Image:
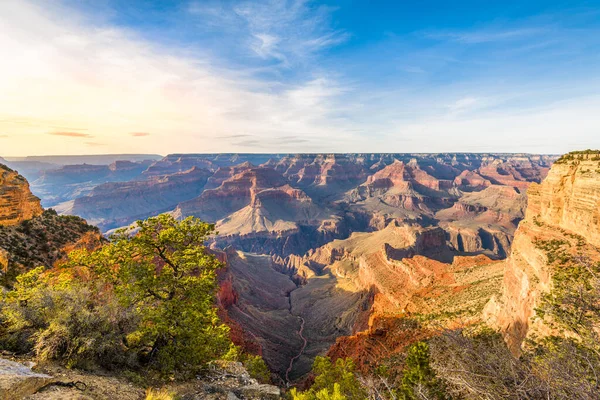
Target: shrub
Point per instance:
(418, 377)
(255, 365)
(72, 320)
(323, 394)
(257, 368)
(148, 296)
(480, 365)
(328, 376)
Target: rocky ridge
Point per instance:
(563, 212)
(17, 203)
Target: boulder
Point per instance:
(18, 381)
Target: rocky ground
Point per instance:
(225, 381)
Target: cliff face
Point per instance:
(17, 203)
(31, 237)
(570, 197)
(563, 209)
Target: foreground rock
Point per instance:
(229, 381)
(224, 381)
(18, 381)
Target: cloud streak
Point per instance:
(70, 134)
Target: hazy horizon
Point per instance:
(32, 156)
(298, 76)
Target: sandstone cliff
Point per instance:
(17, 203)
(563, 212)
(31, 237)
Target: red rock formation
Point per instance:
(17, 203)
(470, 181)
(232, 195)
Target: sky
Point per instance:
(203, 76)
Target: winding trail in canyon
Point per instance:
(304, 340)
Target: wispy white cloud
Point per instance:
(289, 31)
(462, 104)
(69, 71)
(487, 35)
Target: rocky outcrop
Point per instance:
(31, 237)
(484, 221)
(278, 210)
(333, 170)
(517, 171)
(569, 197)
(18, 381)
(232, 195)
(471, 181)
(117, 204)
(565, 207)
(42, 241)
(17, 203)
(224, 380)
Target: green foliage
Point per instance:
(419, 374)
(167, 275)
(574, 301)
(556, 250)
(73, 320)
(255, 365)
(257, 368)
(160, 394)
(340, 374)
(579, 155)
(323, 394)
(148, 296)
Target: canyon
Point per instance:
(334, 253)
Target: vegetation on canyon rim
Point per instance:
(143, 301)
(146, 302)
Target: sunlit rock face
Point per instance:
(17, 203)
(565, 207)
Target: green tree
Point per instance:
(151, 290)
(418, 375)
(165, 273)
(329, 376)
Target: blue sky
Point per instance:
(299, 76)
